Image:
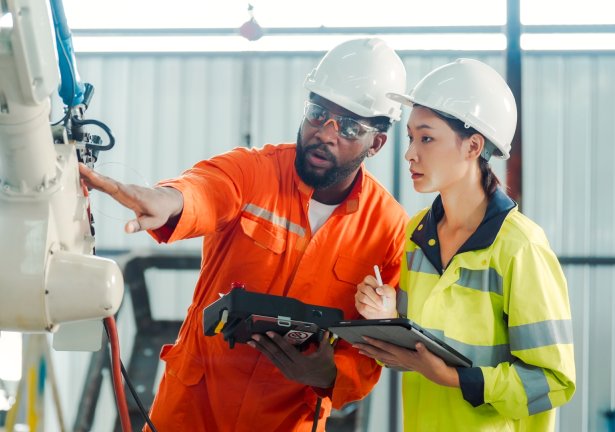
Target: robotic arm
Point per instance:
(48, 273)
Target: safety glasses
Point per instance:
(346, 127)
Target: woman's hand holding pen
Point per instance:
(374, 300)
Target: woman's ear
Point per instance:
(476, 144)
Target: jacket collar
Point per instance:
(426, 233)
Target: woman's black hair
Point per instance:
(489, 181)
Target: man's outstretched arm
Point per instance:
(153, 207)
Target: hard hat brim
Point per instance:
(401, 98)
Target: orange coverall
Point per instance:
(251, 208)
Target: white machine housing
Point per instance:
(48, 273)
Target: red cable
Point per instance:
(118, 383)
(116, 373)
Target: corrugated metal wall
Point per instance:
(569, 189)
(169, 111)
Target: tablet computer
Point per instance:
(240, 313)
(398, 331)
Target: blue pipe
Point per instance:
(71, 88)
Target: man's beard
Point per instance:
(332, 175)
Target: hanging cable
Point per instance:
(316, 414)
(137, 400)
(118, 386)
(116, 361)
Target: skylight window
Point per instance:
(120, 14)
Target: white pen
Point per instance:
(379, 280)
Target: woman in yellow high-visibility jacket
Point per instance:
(478, 274)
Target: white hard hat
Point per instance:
(474, 93)
(357, 74)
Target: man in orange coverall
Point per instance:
(301, 220)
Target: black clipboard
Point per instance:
(398, 331)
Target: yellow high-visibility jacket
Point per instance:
(502, 302)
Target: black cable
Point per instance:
(137, 400)
(317, 414)
(132, 390)
(62, 120)
(101, 125)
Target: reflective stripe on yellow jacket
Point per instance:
(502, 302)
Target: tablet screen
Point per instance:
(400, 332)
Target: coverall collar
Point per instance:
(426, 234)
(350, 204)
